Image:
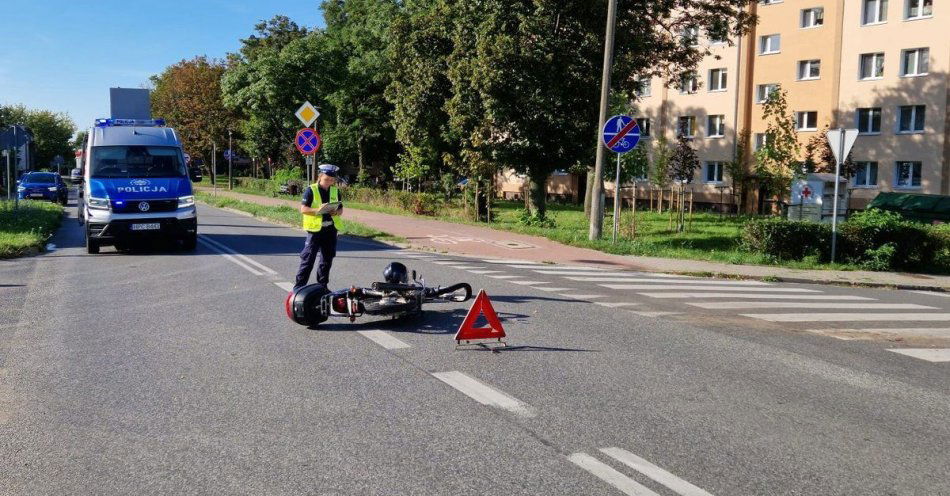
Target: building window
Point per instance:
(869, 120)
(712, 172)
(907, 174)
(689, 83)
(809, 69)
(643, 87)
(770, 2)
(717, 80)
(769, 44)
(761, 139)
(686, 126)
(915, 62)
(919, 9)
(715, 126)
(875, 12)
(872, 66)
(865, 175)
(644, 124)
(814, 17)
(763, 91)
(690, 36)
(806, 121)
(910, 119)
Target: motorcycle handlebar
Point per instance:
(451, 289)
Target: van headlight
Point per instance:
(186, 201)
(98, 203)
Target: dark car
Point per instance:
(42, 186)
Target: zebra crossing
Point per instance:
(820, 312)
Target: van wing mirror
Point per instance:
(195, 175)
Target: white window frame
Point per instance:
(690, 33)
(721, 83)
(880, 12)
(805, 113)
(763, 42)
(810, 17)
(925, 51)
(718, 168)
(871, 111)
(717, 131)
(920, 9)
(913, 119)
(873, 57)
(862, 170)
(689, 84)
(805, 67)
(897, 174)
(758, 99)
(770, 2)
(692, 126)
(645, 83)
(644, 124)
(759, 141)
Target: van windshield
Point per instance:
(136, 161)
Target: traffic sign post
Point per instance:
(841, 141)
(307, 141)
(621, 135)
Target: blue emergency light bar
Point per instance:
(130, 122)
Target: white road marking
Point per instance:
(939, 332)
(505, 277)
(487, 271)
(484, 394)
(465, 267)
(699, 287)
(654, 472)
(569, 268)
(610, 475)
(445, 262)
(230, 258)
(548, 288)
(286, 286)
(530, 283)
(711, 282)
(582, 296)
(656, 314)
(849, 317)
(601, 273)
(520, 262)
(263, 268)
(734, 305)
(384, 339)
(753, 296)
(935, 355)
(609, 304)
(933, 293)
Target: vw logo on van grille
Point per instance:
(144, 206)
(140, 182)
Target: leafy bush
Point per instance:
(786, 239)
(527, 219)
(28, 227)
(872, 236)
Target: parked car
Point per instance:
(43, 186)
(75, 176)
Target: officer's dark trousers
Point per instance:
(320, 248)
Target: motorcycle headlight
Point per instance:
(98, 203)
(20, 188)
(186, 201)
(53, 188)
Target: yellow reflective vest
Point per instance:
(314, 223)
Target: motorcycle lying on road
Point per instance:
(396, 297)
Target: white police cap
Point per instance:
(328, 169)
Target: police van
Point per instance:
(135, 185)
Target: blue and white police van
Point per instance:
(136, 185)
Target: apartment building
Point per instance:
(880, 66)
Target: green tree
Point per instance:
(683, 165)
(819, 156)
(51, 131)
(660, 163)
(776, 161)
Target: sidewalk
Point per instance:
(480, 241)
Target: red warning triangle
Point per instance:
(481, 306)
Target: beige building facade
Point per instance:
(880, 66)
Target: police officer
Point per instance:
(320, 247)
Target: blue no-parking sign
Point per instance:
(621, 133)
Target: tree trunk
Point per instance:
(537, 193)
(588, 191)
(359, 154)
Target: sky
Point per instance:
(64, 55)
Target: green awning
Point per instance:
(920, 207)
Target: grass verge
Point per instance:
(291, 217)
(27, 228)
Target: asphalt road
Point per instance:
(169, 372)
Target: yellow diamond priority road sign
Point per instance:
(307, 114)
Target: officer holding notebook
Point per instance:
(321, 203)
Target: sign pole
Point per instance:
(214, 169)
(617, 200)
(596, 203)
(834, 202)
(9, 181)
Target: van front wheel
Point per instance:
(190, 243)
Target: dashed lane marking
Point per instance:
(221, 247)
(739, 305)
(849, 317)
(230, 258)
(674, 483)
(483, 393)
(759, 296)
(582, 296)
(505, 277)
(615, 304)
(935, 355)
(482, 272)
(699, 287)
(530, 283)
(668, 281)
(286, 286)
(610, 475)
(384, 339)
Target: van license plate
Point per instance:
(153, 226)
